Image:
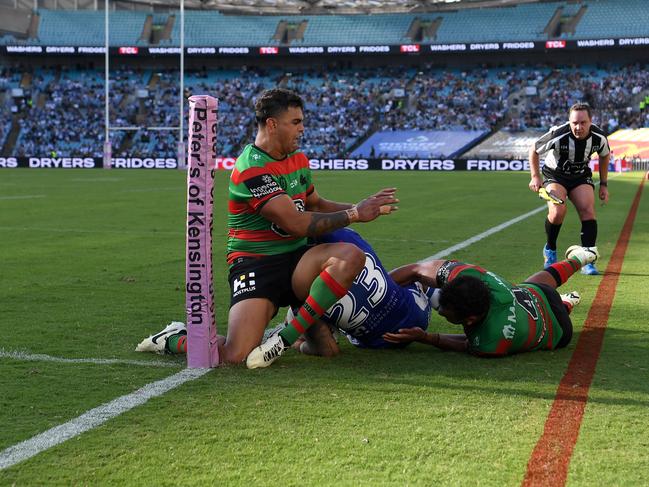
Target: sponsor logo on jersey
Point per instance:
(245, 283)
(263, 185)
(509, 331)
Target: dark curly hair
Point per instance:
(275, 101)
(465, 296)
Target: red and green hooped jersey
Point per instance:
(519, 318)
(256, 179)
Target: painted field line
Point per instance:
(93, 418)
(485, 234)
(462, 245)
(548, 464)
(22, 197)
(79, 230)
(41, 357)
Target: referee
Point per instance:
(566, 173)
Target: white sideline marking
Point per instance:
(41, 357)
(22, 197)
(95, 417)
(485, 234)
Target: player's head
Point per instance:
(464, 300)
(279, 112)
(580, 117)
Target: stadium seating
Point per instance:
(211, 28)
(343, 106)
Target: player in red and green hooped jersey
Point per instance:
(500, 318)
(273, 206)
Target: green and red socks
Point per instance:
(563, 270)
(177, 343)
(324, 292)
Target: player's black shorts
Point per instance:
(568, 181)
(266, 277)
(560, 311)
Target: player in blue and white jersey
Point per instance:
(379, 301)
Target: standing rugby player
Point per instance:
(273, 207)
(566, 174)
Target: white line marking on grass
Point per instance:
(180, 189)
(485, 234)
(78, 230)
(492, 230)
(41, 357)
(22, 197)
(93, 418)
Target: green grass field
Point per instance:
(93, 261)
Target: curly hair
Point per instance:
(465, 296)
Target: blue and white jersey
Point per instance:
(375, 304)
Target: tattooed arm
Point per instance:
(282, 211)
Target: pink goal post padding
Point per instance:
(202, 350)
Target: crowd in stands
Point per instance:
(611, 91)
(62, 112)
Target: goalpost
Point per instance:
(202, 349)
(180, 147)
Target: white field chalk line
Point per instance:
(491, 231)
(41, 357)
(485, 234)
(93, 418)
(59, 434)
(78, 230)
(22, 197)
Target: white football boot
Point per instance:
(573, 298)
(266, 353)
(585, 255)
(158, 343)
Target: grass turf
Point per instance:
(93, 262)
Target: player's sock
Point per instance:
(561, 271)
(177, 343)
(324, 292)
(552, 232)
(588, 233)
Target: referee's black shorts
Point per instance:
(568, 181)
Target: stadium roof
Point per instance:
(305, 7)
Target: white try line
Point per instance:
(93, 418)
(41, 357)
(79, 230)
(22, 197)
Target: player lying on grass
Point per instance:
(500, 318)
(375, 304)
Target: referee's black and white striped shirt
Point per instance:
(566, 153)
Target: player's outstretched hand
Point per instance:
(536, 183)
(405, 335)
(380, 203)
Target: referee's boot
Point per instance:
(549, 257)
